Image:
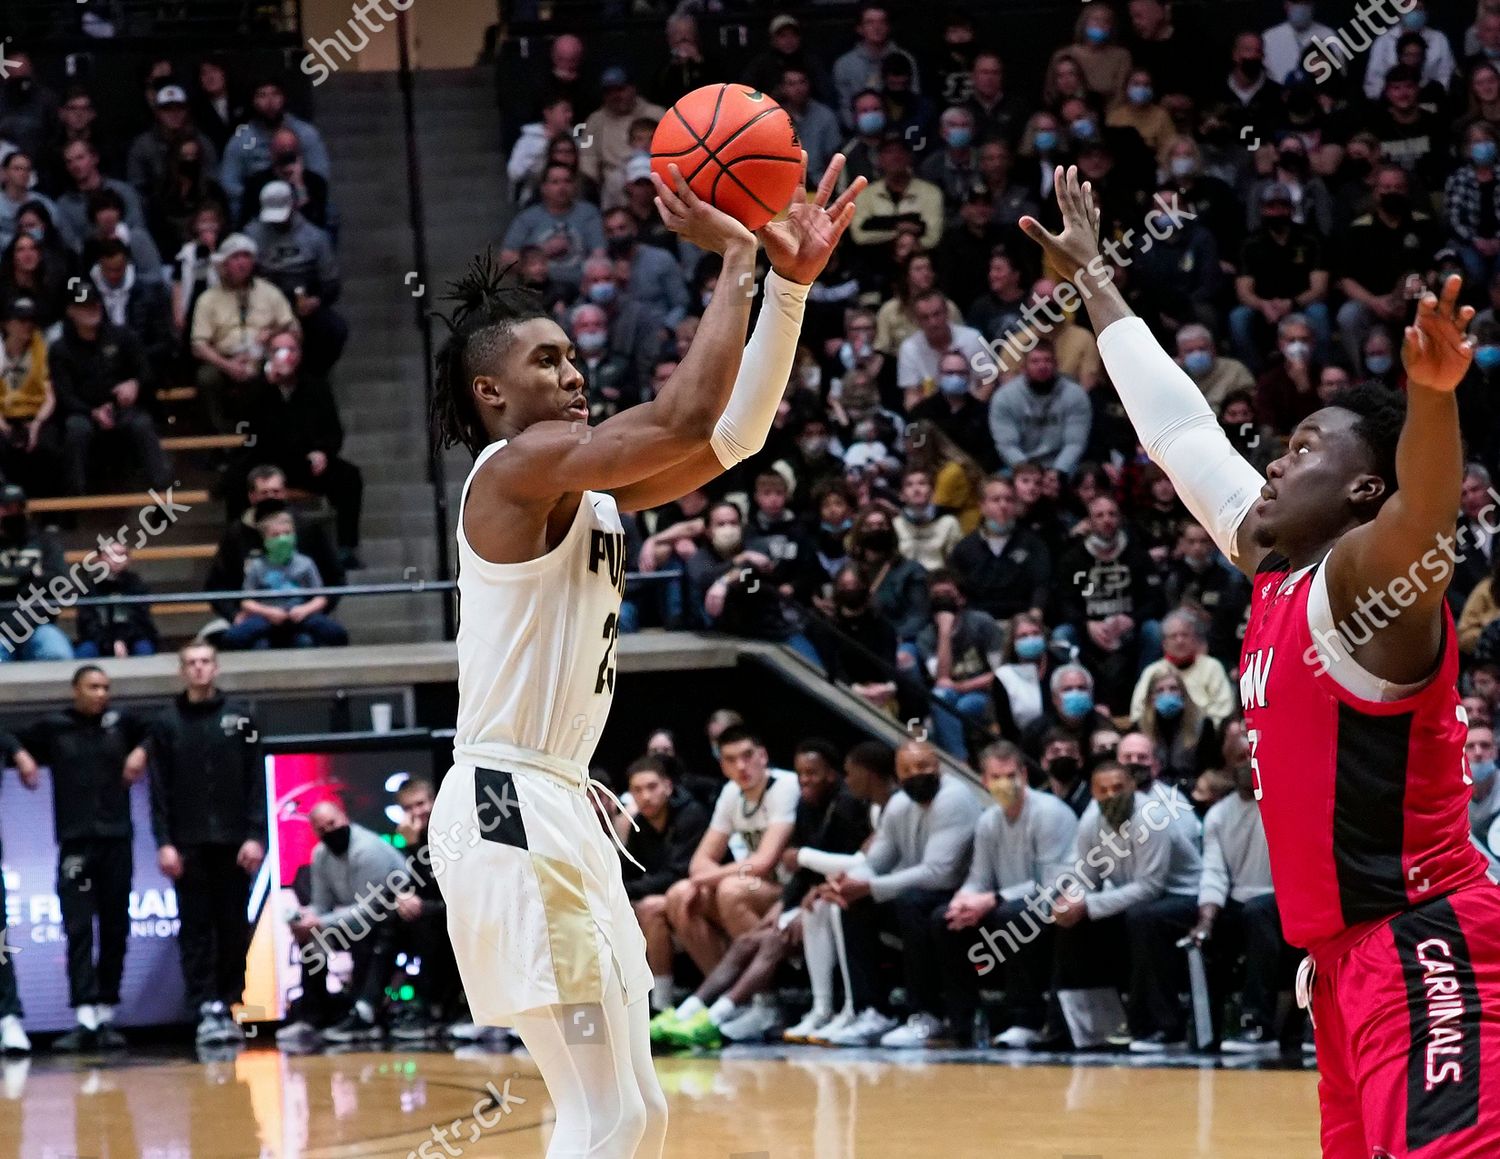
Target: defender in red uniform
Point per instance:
(1348, 681)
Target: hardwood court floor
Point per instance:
(799, 1103)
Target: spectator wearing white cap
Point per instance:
(311, 189)
(297, 257)
(785, 51)
(250, 149)
(232, 324)
(604, 144)
(146, 163)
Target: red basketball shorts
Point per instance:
(1407, 1026)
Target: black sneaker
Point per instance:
(1253, 1039)
(110, 1038)
(354, 1028)
(1157, 1043)
(77, 1041)
(412, 1025)
(1051, 1040)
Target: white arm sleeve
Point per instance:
(1180, 431)
(764, 369)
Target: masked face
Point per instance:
(337, 840)
(1006, 791)
(726, 538)
(1116, 810)
(922, 787)
(281, 548)
(1063, 769)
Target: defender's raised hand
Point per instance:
(1436, 352)
(800, 244)
(1077, 247)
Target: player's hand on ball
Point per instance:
(1072, 250)
(1436, 352)
(695, 220)
(800, 243)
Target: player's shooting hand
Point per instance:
(801, 240)
(1436, 352)
(1078, 245)
(695, 220)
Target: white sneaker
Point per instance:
(921, 1029)
(839, 1023)
(866, 1030)
(465, 1031)
(1015, 1038)
(811, 1023)
(105, 1014)
(13, 1038)
(751, 1026)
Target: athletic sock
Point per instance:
(723, 1010)
(365, 1010)
(690, 1006)
(87, 1017)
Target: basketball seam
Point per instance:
(712, 154)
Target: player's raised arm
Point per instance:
(548, 459)
(1405, 551)
(1172, 419)
(799, 244)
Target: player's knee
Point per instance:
(649, 910)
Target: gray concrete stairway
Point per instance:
(379, 380)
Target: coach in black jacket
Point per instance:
(208, 814)
(96, 753)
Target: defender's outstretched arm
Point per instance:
(1172, 419)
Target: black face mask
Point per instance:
(1395, 204)
(879, 540)
(1251, 69)
(850, 600)
(619, 247)
(337, 840)
(922, 788)
(944, 604)
(189, 166)
(1293, 163)
(1064, 769)
(1276, 222)
(285, 157)
(13, 527)
(1043, 385)
(1117, 810)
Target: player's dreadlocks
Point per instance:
(479, 329)
(1380, 413)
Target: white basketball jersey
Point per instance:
(536, 640)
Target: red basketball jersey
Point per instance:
(1365, 803)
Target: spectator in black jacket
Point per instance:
(96, 753)
(294, 420)
(670, 825)
(97, 370)
(116, 629)
(137, 305)
(1005, 568)
(242, 541)
(31, 562)
(309, 189)
(208, 814)
(423, 927)
(297, 258)
(1108, 602)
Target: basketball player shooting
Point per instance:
(1355, 725)
(544, 935)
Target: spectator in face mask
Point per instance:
(1215, 376)
(957, 653)
(1041, 416)
(1062, 765)
(1484, 805)
(636, 332)
(1200, 578)
(354, 878)
(897, 585)
(282, 620)
(309, 189)
(1287, 392)
(1286, 44)
(1184, 738)
(1283, 271)
(655, 278)
(610, 386)
(1203, 678)
(922, 532)
(1071, 713)
(862, 151)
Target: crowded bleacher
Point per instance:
(951, 518)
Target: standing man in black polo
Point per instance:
(96, 753)
(13, 1038)
(208, 814)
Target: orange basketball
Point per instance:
(735, 146)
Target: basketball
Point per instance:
(735, 147)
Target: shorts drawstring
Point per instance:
(1306, 972)
(595, 788)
